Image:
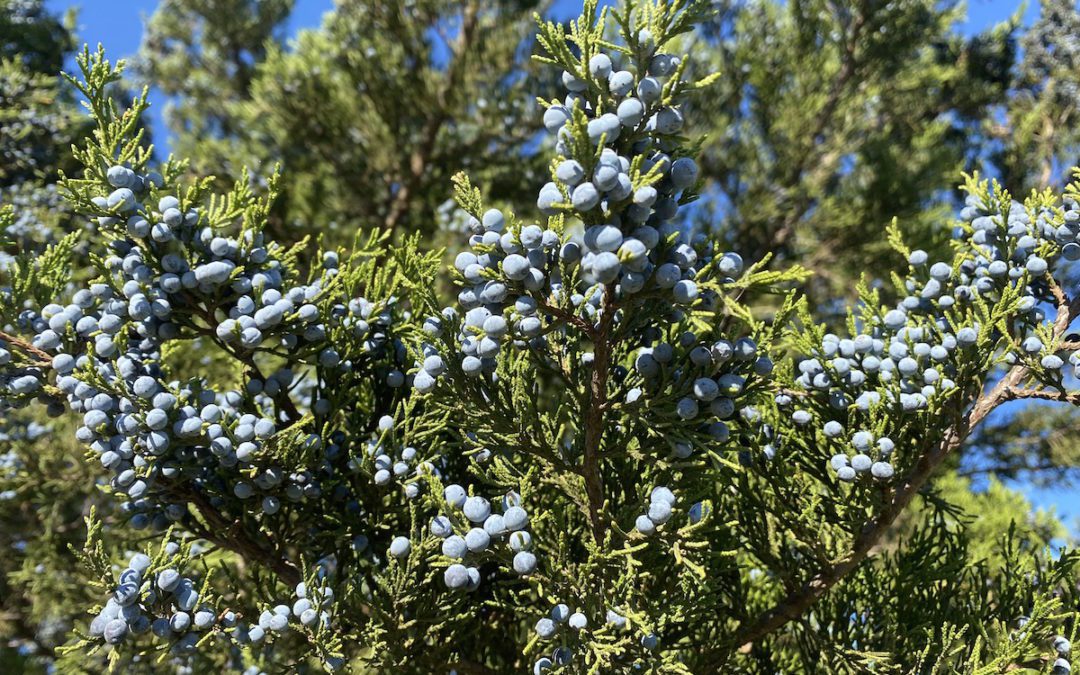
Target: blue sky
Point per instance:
(118, 25)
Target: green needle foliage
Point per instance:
(369, 115)
(615, 446)
(830, 119)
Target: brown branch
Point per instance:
(1067, 310)
(45, 358)
(1014, 393)
(594, 418)
(234, 537)
(798, 601)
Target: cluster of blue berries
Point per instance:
(870, 458)
(896, 362)
(310, 608)
(632, 241)
(560, 615)
(619, 181)
(561, 656)
(386, 469)
(547, 628)
(912, 353)
(470, 528)
(158, 601)
(169, 276)
(1062, 647)
(697, 381)
(1067, 234)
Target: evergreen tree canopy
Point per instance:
(455, 338)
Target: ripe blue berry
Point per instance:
(477, 509)
(400, 547)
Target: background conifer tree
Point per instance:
(368, 115)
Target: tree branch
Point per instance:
(234, 537)
(594, 418)
(800, 600)
(797, 602)
(1072, 398)
(45, 358)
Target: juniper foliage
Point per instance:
(603, 451)
(827, 121)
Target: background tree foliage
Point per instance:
(831, 119)
(40, 513)
(828, 121)
(1037, 146)
(368, 115)
(38, 121)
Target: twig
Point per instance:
(798, 601)
(1072, 398)
(569, 318)
(44, 358)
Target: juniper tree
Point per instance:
(38, 121)
(831, 119)
(1039, 140)
(1034, 145)
(601, 453)
(34, 37)
(885, 118)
